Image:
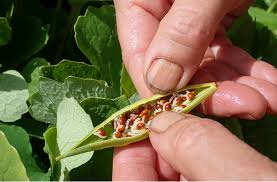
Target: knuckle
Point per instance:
(194, 133)
(184, 24)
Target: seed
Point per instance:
(191, 95)
(151, 117)
(178, 101)
(158, 106)
(121, 128)
(127, 114)
(117, 134)
(122, 120)
(144, 112)
(184, 98)
(140, 126)
(141, 108)
(144, 118)
(167, 106)
(102, 132)
(136, 112)
(149, 106)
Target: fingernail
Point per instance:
(164, 120)
(164, 75)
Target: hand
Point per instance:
(189, 33)
(202, 149)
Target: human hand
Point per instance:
(246, 87)
(202, 149)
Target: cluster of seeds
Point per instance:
(134, 122)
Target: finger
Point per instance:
(231, 98)
(135, 162)
(202, 149)
(165, 171)
(181, 41)
(137, 22)
(241, 61)
(267, 89)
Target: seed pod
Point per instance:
(139, 130)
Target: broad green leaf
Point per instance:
(32, 72)
(44, 103)
(96, 37)
(29, 36)
(100, 109)
(5, 7)
(19, 139)
(13, 96)
(265, 18)
(68, 68)
(11, 167)
(126, 85)
(5, 31)
(73, 124)
(32, 66)
(58, 173)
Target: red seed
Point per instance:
(191, 95)
(158, 106)
(184, 98)
(178, 101)
(151, 117)
(141, 108)
(167, 107)
(117, 134)
(140, 126)
(102, 132)
(144, 112)
(145, 118)
(136, 112)
(127, 114)
(121, 128)
(122, 120)
(149, 106)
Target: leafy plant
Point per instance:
(49, 103)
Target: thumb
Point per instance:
(202, 149)
(181, 41)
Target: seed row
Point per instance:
(134, 122)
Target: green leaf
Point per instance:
(96, 37)
(5, 31)
(32, 72)
(68, 68)
(32, 66)
(73, 124)
(11, 167)
(265, 18)
(126, 85)
(13, 96)
(100, 109)
(52, 149)
(19, 139)
(28, 37)
(44, 103)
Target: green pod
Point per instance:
(93, 141)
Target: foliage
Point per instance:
(50, 102)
